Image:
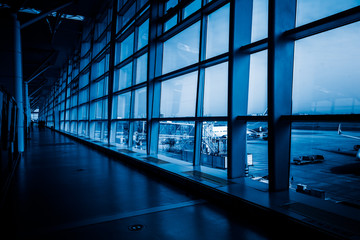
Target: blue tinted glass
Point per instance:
(170, 23)
(178, 96)
(216, 84)
(182, 49)
(141, 68)
(326, 72)
(191, 8)
(121, 106)
(140, 103)
(217, 40)
(123, 77)
(259, 28)
(312, 10)
(128, 14)
(170, 4)
(257, 104)
(127, 47)
(143, 35)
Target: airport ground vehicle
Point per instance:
(308, 159)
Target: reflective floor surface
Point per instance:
(63, 189)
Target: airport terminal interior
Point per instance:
(180, 119)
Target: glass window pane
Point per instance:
(182, 49)
(73, 127)
(143, 35)
(139, 136)
(170, 23)
(97, 89)
(121, 136)
(191, 8)
(141, 68)
(170, 4)
(84, 80)
(176, 140)
(326, 72)
(257, 104)
(123, 77)
(129, 14)
(217, 40)
(121, 106)
(257, 151)
(83, 112)
(323, 160)
(97, 132)
(140, 103)
(83, 129)
(312, 10)
(178, 96)
(127, 47)
(216, 90)
(214, 145)
(84, 96)
(259, 28)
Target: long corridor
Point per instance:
(65, 190)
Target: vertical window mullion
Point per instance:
(280, 74)
(200, 92)
(239, 65)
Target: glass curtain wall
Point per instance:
(209, 84)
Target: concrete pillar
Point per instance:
(11, 66)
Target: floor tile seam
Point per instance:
(111, 218)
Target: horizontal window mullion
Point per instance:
(252, 118)
(203, 64)
(323, 118)
(255, 46)
(196, 119)
(334, 21)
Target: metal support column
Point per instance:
(18, 79)
(239, 64)
(280, 75)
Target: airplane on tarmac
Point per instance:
(356, 147)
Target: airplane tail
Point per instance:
(339, 129)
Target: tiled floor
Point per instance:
(65, 190)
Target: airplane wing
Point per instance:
(348, 136)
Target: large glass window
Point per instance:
(121, 134)
(259, 28)
(139, 136)
(328, 159)
(176, 140)
(257, 104)
(178, 96)
(257, 151)
(217, 40)
(311, 10)
(216, 90)
(121, 106)
(140, 103)
(123, 77)
(143, 35)
(326, 72)
(192, 7)
(182, 49)
(127, 47)
(141, 68)
(214, 145)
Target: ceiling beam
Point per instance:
(44, 15)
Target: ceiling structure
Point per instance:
(50, 31)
